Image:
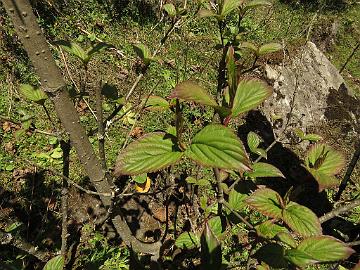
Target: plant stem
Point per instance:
(101, 132)
(220, 191)
(350, 56)
(349, 171)
(340, 210)
(227, 205)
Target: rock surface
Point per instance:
(310, 94)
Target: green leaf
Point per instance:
(256, 4)
(250, 46)
(97, 48)
(56, 263)
(15, 226)
(231, 72)
(237, 199)
(143, 52)
(261, 169)
(217, 146)
(325, 248)
(206, 13)
(170, 10)
(34, 94)
(228, 6)
(140, 179)
(211, 257)
(269, 48)
(253, 140)
(267, 202)
(273, 255)
(57, 153)
(150, 153)
(190, 91)
(216, 226)
(299, 257)
(249, 94)
(312, 137)
(269, 230)
(156, 103)
(323, 162)
(74, 49)
(187, 240)
(301, 220)
(287, 238)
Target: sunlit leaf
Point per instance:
(216, 226)
(312, 137)
(187, 240)
(170, 10)
(261, 169)
(34, 94)
(269, 229)
(15, 226)
(249, 45)
(74, 49)
(56, 263)
(237, 199)
(231, 72)
(211, 257)
(249, 94)
(253, 140)
(140, 178)
(287, 238)
(299, 257)
(269, 48)
(143, 52)
(267, 202)
(150, 153)
(217, 146)
(301, 220)
(191, 91)
(228, 6)
(156, 103)
(97, 48)
(206, 13)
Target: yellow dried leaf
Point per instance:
(144, 187)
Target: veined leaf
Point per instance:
(261, 169)
(140, 178)
(312, 137)
(250, 46)
(170, 10)
(74, 49)
(323, 163)
(267, 202)
(216, 226)
(211, 257)
(301, 220)
(56, 263)
(143, 52)
(231, 72)
(299, 257)
(190, 91)
(228, 6)
(287, 238)
(253, 140)
(249, 94)
(269, 48)
(237, 199)
(156, 103)
(217, 146)
(187, 240)
(269, 230)
(34, 94)
(150, 153)
(256, 3)
(325, 248)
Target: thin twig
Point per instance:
(101, 132)
(340, 210)
(227, 205)
(350, 56)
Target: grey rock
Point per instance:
(310, 94)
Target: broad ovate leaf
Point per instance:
(261, 169)
(269, 48)
(170, 10)
(253, 140)
(325, 248)
(323, 162)
(150, 153)
(228, 6)
(287, 239)
(250, 46)
(187, 240)
(211, 256)
(206, 13)
(249, 94)
(191, 91)
(140, 178)
(269, 229)
(312, 137)
(74, 49)
(237, 199)
(34, 94)
(56, 263)
(156, 103)
(97, 48)
(143, 52)
(218, 147)
(216, 226)
(318, 249)
(266, 201)
(301, 220)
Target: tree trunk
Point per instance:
(54, 85)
